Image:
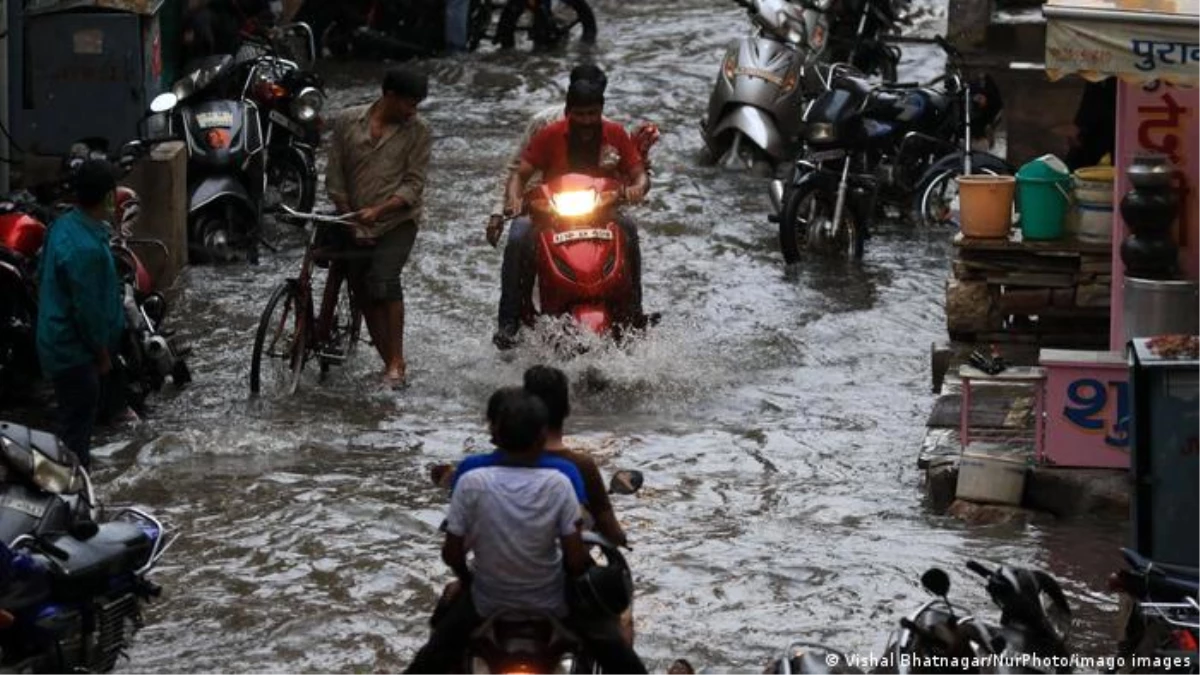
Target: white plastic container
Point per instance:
(990, 480)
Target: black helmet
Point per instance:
(604, 590)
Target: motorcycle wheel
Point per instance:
(935, 201)
(807, 210)
(280, 343)
(292, 180)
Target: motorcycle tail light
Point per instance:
(1186, 641)
(6, 619)
(730, 65)
(1116, 583)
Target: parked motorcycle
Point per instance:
(71, 590)
(1035, 618)
(581, 261)
(149, 354)
(1161, 616)
(43, 489)
(756, 103)
(226, 160)
(290, 98)
(547, 28)
(22, 233)
(865, 145)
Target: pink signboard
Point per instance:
(1164, 119)
(1088, 409)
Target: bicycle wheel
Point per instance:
(343, 334)
(280, 345)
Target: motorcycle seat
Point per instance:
(509, 628)
(858, 86)
(1144, 564)
(116, 548)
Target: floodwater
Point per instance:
(777, 417)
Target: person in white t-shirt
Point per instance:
(522, 523)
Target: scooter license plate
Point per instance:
(826, 156)
(26, 506)
(578, 235)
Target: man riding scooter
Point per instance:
(584, 142)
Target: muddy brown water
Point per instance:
(777, 417)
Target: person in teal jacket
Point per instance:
(80, 311)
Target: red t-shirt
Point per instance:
(548, 152)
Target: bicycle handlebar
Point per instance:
(289, 213)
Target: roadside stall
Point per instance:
(1151, 46)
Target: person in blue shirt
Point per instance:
(80, 313)
(497, 457)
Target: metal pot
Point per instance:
(1150, 171)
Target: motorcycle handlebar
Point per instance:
(979, 569)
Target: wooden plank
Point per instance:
(1064, 245)
(1032, 279)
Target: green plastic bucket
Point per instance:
(1043, 198)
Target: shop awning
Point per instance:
(1136, 40)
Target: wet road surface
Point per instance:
(777, 417)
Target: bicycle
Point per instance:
(290, 334)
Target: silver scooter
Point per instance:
(756, 104)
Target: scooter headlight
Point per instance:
(308, 104)
(574, 204)
(821, 132)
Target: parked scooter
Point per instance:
(226, 161)
(1035, 618)
(756, 103)
(937, 632)
(867, 146)
(71, 590)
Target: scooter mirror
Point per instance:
(626, 482)
(936, 581)
(163, 102)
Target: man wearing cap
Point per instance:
(378, 159)
(594, 145)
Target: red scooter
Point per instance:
(582, 259)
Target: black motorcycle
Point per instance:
(1035, 618)
(1161, 610)
(43, 489)
(227, 159)
(290, 99)
(869, 146)
(71, 589)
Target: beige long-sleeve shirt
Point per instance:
(366, 172)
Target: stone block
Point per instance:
(970, 307)
(941, 480)
(160, 179)
(1072, 492)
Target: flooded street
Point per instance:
(777, 417)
